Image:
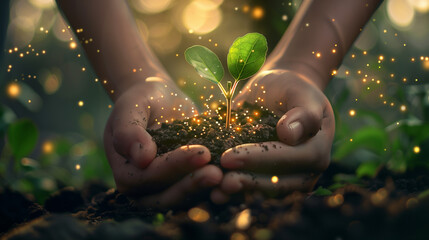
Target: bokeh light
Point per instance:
(243, 220)
(13, 90)
(198, 214)
(421, 6)
(44, 4)
(201, 17)
(150, 6)
(400, 12)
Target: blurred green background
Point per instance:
(53, 111)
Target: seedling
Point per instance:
(246, 56)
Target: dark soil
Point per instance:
(251, 124)
(389, 206)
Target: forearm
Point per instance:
(319, 36)
(107, 32)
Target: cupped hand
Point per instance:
(157, 181)
(305, 131)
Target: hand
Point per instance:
(306, 131)
(166, 180)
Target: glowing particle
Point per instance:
(334, 72)
(21, 55)
(177, 54)
(29, 101)
(246, 8)
(77, 166)
(335, 201)
(258, 12)
(238, 236)
(416, 149)
(307, 24)
(83, 69)
(351, 139)
(364, 52)
(243, 219)
(197, 214)
(381, 58)
(274, 179)
(80, 103)
(13, 90)
(334, 50)
(47, 147)
(352, 113)
(378, 197)
(353, 56)
(403, 108)
(284, 17)
(318, 55)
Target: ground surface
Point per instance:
(390, 206)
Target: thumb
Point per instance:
(130, 138)
(299, 124)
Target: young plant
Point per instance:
(245, 57)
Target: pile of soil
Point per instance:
(389, 206)
(251, 124)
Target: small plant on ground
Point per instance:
(245, 57)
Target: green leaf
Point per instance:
(205, 62)
(371, 138)
(247, 55)
(423, 195)
(321, 191)
(367, 169)
(22, 137)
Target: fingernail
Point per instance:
(135, 150)
(297, 130)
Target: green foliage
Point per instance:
(205, 62)
(371, 138)
(367, 169)
(158, 219)
(22, 137)
(247, 55)
(321, 191)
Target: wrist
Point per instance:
(145, 82)
(302, 69)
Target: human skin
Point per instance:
(142, 92)
(294, 76)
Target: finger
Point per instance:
(299, 124)
(279, 158)
(218, 196)
(174, 165)
(130, 138)
(235, 182)
(161, 172)
(185, 191)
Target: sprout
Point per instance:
(245, 57)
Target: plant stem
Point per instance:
(228, 104)
(228, 111)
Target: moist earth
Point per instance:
(388, 206)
